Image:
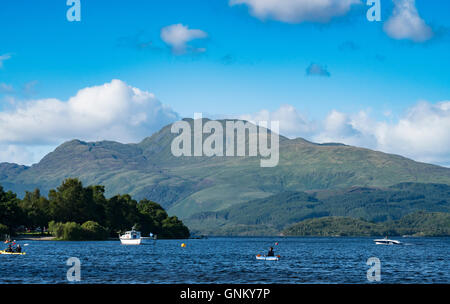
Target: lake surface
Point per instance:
(232, 260)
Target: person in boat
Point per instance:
(18, 249)
(9, 249)
(271, 253)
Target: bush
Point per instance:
(72, 232)
(56, 229)
(94, 231)
(69, 231)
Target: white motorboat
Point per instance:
(386, 241)
(132, 237)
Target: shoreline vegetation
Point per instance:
(73, 212)
(379, 209)
(418, 224)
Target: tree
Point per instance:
(11, 214)
(36, 209)
(76, 212)
(71, 202)
(174, 228)
(121, 213)
(100, 202)
(152, 215)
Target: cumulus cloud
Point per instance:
(177, 37)
(350, 129)
(292, 123)
(22, 154)
(315, 69)
(296, 11)
(405, 23)
(422, 133)
(113, 111)
(4, 57)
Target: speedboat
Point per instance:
(132, 237)
(386, 241)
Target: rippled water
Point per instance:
(232, 260)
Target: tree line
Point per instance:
(415, 224)
(73, 205)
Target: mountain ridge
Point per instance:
(188, 185)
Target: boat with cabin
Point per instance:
(132, 237)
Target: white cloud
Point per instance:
(4, 57)
(405, 23)
(22, 154)
(350, 129)
(422, 133)
(178, 35)
(113, 111)
(292, 123)
(296, 11)
(15, 154)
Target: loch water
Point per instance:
(232, 260)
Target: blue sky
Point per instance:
(246, 63)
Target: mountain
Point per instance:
(186, 186)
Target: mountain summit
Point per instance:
(189, 185)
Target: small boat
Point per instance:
(12, 253)
(132, 237)
(149, 239)
(386, 241)
(267, 258)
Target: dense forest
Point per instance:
(75, 212)
(271, 215)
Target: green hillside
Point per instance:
(189, 185)
(273, 214)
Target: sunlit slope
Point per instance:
(188, 185)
